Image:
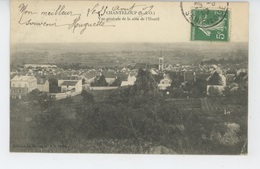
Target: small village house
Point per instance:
(110, 79)
(43, 84)
(21, 85)
(129, 81)
(165, 82)
(70, 85)
(216, 83)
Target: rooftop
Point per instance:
(23, 78)
(69, 83)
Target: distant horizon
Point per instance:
(115, 53)
(83, 47)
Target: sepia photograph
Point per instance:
(129, 77)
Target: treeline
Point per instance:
(73, 66)
(224, 61)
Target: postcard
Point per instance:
(129, 77)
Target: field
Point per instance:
(186, 104)
(209, 104)
(206, 105)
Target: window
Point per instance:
(25, 85)
(13, 84)
(19, 85)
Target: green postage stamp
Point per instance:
(209, 20)
(210, 25)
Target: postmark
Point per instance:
(209, 20)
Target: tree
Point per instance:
(215, 79)
(45, 101)
(240, 78)
(33, 95)
(145, 83)
(87, 97)
(176, 83)
(117, 82)
(199, 88)
(195, 92)
(50, 126)
(100, 81)
(237, 95)
(213, 91)
(53, 85)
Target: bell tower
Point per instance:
(161, 62)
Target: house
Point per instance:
(70, 85)
(213, 68)
(169, 67)
(216, 84)
(110, 76)
(21, 85)
(90, 76)
(130, 80)
(154, 71)
(165, 82)
(74, 77)
(43, 84)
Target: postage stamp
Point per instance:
(207, 31)
(209, 21)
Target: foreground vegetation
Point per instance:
(132, 120)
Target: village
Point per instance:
(210, 79)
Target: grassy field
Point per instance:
(206, 104)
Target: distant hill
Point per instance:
(122, 54)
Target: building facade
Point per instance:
(21, 85)
(43, 84)
(70, 85)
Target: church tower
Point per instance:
(161, 62)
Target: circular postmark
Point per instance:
(204, 14)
